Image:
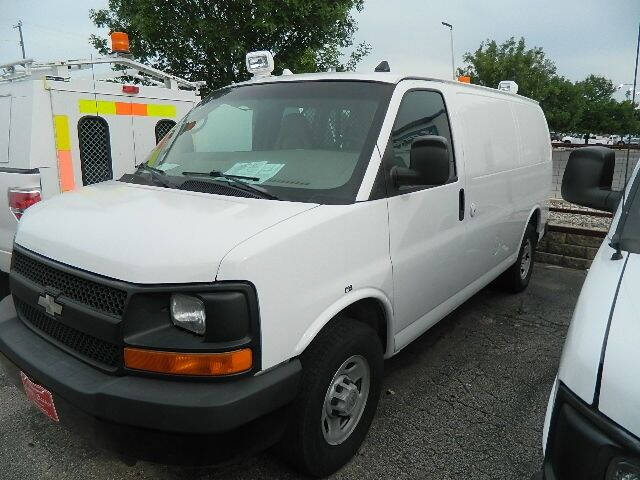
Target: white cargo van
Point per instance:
(59, 132)
(592, 426)
(244, 285)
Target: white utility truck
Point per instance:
(59, 131)
(244, 285)
(592, 426)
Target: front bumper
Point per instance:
(136, 416)
(582, 442)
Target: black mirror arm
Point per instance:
(612, 201)
(405, 176)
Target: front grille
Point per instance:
(100, 297)
(90, 347)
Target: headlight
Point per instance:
(188, 312)
(622, 468)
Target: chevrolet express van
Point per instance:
(244, 285)
(592, 426)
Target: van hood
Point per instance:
(583, 346)
(146, 234)
(620, 388)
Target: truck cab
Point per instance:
(244, 285)
(59, 132)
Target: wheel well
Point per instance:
(371, 312)
(535, 220)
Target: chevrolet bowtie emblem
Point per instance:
(50, 305)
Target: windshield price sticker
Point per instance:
(262, 170)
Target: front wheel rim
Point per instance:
(345, 400)
(525, 262)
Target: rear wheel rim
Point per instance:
(525, 261)
(345, 400)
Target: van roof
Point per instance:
(382, 77)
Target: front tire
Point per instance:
(517, 277)
(340, 388)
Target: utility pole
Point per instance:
(19, 27)
(453, 63)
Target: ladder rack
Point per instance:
(28, 69)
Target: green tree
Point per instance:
(563, 105)
(628, 118)
(584, 106)
(600, 108)
(208, 39)
(511, 60)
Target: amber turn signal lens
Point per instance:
(176, 363)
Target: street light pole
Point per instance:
(453, 64)
(19, 27)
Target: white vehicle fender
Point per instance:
(349, 299)
(539, 226)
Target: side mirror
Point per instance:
(588, 177)
(428, 163)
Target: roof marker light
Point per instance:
(130, 89)
(119, 42)
(508, 86)
(260, 64)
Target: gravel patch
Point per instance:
(576, 220)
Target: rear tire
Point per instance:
(326, 430)
(517, 277)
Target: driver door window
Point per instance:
(421, 113)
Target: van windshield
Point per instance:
(300, 141)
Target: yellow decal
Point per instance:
(161, 110)
(101, 107)
(61, 131)
(87, 106)
(97, 107)
(63, 152)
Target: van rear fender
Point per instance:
(535, 218)
(350, 305)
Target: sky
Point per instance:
(580, 36)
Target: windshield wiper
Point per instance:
(237, 183)
(159, 176)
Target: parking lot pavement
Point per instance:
(466, 400)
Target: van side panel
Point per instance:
(21, 124)
(5, 124)
(491, 157)
(534, 186)
(507, 152)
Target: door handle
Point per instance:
(461, 204)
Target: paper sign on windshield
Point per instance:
(261, 170)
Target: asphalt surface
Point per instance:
(464, 401)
